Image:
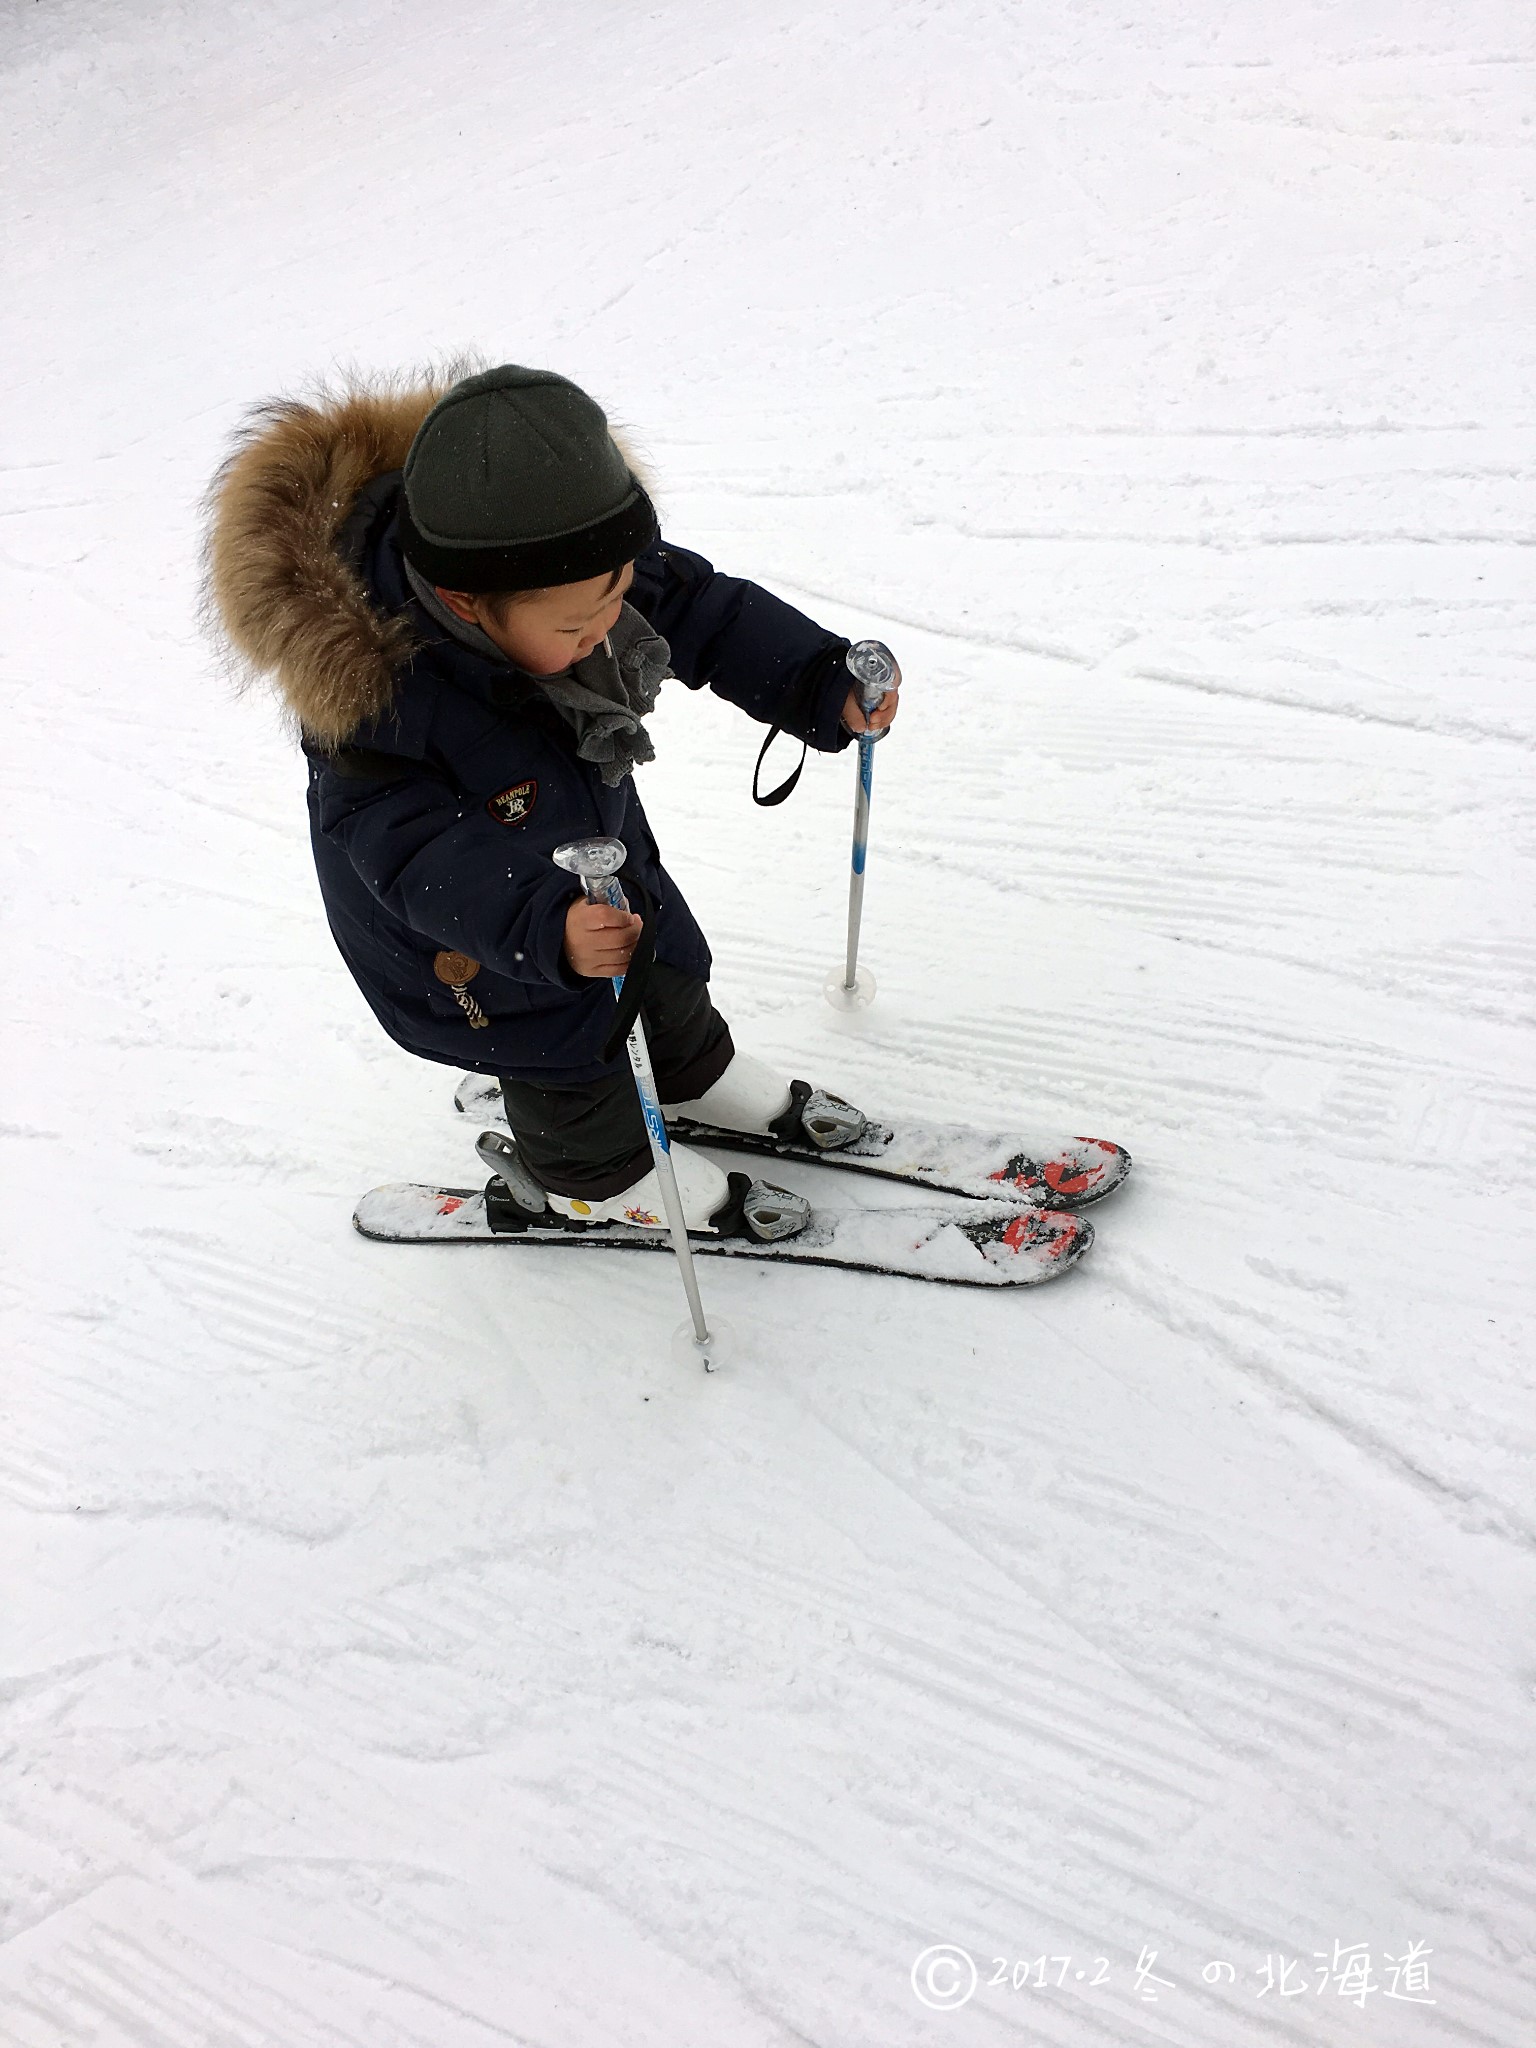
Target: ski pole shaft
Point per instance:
(861, 796)
(873, 667)
(596, 862)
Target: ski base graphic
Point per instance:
(995, 1245)
(951, 1159)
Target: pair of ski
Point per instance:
(1019, 1222)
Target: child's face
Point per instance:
(547, 632)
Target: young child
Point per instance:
(466, 605)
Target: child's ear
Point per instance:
(460, 603)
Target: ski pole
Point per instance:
(597, 862)
(873, 667)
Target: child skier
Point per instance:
(468, 609)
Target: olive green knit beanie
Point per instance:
(514, 482)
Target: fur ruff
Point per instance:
(275, 589)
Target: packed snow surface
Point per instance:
(403, 1650)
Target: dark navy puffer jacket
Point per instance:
(434, 825)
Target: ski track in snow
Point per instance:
(405, 1652)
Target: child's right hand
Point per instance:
(599, 939)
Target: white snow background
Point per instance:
(402, 1649)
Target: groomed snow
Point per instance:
(402, 1649)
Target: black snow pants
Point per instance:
(587, 1138)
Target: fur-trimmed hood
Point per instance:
(277, 590)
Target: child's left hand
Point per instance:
(880, 717)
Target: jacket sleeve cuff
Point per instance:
(544, 943)
(826, 694)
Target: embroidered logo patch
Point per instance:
(514, 804)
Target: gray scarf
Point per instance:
(602, 698)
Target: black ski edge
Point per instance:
(688, 1133)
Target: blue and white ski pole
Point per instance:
(597, 863)
(873, 668)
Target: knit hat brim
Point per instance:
(594, 550)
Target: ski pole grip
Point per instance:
(873, 667)
(596, 862)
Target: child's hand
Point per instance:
(880, 717)
(599, 939)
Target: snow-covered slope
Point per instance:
(403, 1651)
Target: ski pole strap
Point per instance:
(638, 972)
(829, 666)
(787, 786)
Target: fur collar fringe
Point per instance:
(276, 592)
